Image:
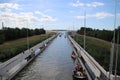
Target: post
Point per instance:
(116, 61)
(113, 43)
(84, 30)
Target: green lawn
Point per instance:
(99, 49)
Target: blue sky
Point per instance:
(59, 14)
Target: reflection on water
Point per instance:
(54, 63)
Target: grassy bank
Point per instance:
(11, 48)
(99, 50)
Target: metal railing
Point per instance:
(95, 70)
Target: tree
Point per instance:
(101, 34)
(2, 37)
(15, 33)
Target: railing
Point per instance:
(95, 70)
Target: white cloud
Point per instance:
(28, 16)
(79, 17)
(9, 16)
(77, 4)
(92, 4)
(21, 17)
(9, 5)
(99, 15)
(102, 15)
(40, 13)
(45, 17)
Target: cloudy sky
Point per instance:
(59, 14)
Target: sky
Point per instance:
(60, 14)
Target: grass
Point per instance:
(99, 50)
(11, 48)
(19, 42)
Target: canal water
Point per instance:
(54, 63)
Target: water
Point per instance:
(54, 63)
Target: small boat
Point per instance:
(76, 77)
(79, 73)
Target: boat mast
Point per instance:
(113, 45)
(84, 29)
(116, 61)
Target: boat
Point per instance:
(79, 78)
(79, 73)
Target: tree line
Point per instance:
(101, 34)
(7, 34)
